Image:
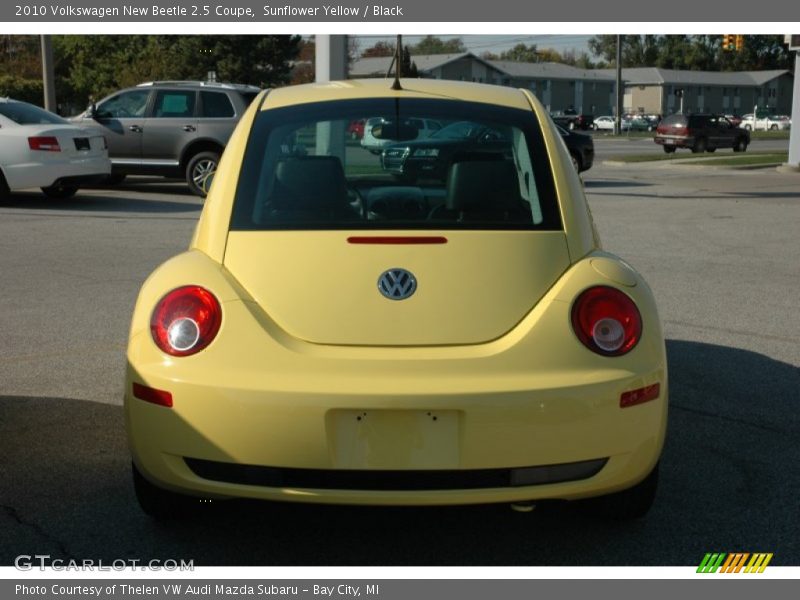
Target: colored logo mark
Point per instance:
(735, 562)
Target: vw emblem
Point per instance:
(397, 284)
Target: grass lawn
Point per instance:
(746, 158)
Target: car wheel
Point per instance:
(161, 504)
(741, 145)
(669, 149)
(748, 127)
(5, 193)
(699, 146)
(201, 166)
(571, 125)
(773, 127)
(594, 127)
(60, 192)
(633, 503)
(711, 150)
(576, 162)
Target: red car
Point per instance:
(356, 129)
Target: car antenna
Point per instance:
(397, 62)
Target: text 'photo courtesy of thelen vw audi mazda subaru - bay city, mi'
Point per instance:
(339, 333)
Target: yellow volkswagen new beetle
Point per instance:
(436, 324)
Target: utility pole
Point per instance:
(618, 116)
(48, 74)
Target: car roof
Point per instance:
(241, 87)
(382, 88)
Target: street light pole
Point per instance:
(48, 74)
(618, 116)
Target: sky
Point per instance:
(494, 42)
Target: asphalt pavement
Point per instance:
(720, 249)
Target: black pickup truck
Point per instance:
(571, 119)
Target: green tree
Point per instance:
(378, 49)
(521, 53)
(434, 45)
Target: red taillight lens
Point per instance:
(606, 321)
(45, 143)
(186, 320)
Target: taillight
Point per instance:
(186, 320)
(45, 143)
(606, 321)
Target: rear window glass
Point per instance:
(28, 114)
(216, 105)
(674, 120)
(483, 167)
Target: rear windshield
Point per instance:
(470, 166)
(674, 120)
(28, 114)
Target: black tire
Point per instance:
(633, 503)
(576, 162)
(699, 146)
(711, 150)
(669, 149)
(60, 192)
(741, 145)
(748, 127)
(571, 125)
(5, 193)
(161, 504)
(773, 127)
(199, 167)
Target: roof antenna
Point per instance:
(397, 61)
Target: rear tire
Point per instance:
(741, 145)
(60, 192)
(711, 150)
(633, 503)
(199, 167)
(576, 162)
(158, 503)
(669, 149)
(773, 127)
(699, 146)
(5, 193)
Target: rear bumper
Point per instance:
(563, 442)
(49, 172)
(676, 141)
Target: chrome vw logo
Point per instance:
(397, 284)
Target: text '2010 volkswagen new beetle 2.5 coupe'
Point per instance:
(336, 335)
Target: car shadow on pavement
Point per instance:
(83, 203)
(728, 484)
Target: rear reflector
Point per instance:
(645, 394)
(45, 143)
(429, 239)
(152, 395)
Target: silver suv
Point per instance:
(169, 128)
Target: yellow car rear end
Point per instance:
(338, 335)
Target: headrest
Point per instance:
(482, 184)
(309, 182)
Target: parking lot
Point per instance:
(719, 247)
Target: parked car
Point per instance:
(355, 129)
(169, 128)
(424, 128)
(700, 133)
(39, 149)
(735, 119)
(766, 123)
(605, 123)
(571, 119)
(580, 147)
(458, 342)
(431, 157)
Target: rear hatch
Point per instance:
(674, 125)
(73, 141)
(321, 288)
